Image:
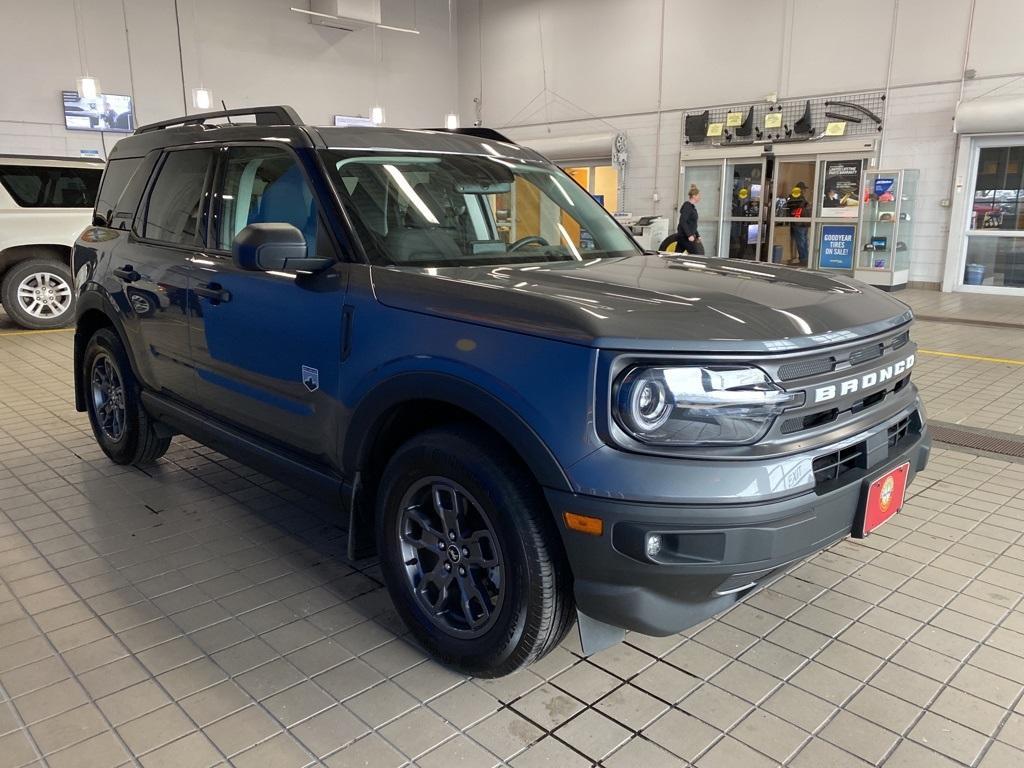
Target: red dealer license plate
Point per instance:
(885, 497)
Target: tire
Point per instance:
(532, 608)
(39, 293)
(132, 439)
(670, 244)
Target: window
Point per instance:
(460, 210)
(602, 181)
(173, 212)
(995, 247)
(264, 185)
(115, 179)
(999, 189)
(51, 187)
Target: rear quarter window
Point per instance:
(51, 187)
(115, 179)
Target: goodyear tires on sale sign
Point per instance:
(836, 248)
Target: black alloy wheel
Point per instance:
(107, 392)
(452, 558)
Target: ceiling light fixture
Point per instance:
(451, 121)
(202, 98)
(333, 17)
(88, 87)
(377, 115)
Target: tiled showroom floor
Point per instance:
(199, 614)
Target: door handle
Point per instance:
(126, 273)
(214, 292)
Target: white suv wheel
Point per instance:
(39, 293)
(44, 295)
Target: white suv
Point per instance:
(45, 203)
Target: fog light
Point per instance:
(653, 545)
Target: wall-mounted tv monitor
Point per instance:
(105, 112)
(341, 121)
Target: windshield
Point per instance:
(449, 210)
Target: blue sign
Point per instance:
(836, 251)
(883, 187)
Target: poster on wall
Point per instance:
(105, 112)
(842, 184)
(836, 251)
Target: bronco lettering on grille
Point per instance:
(864, 381)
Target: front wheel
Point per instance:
(37, 293)
(470, 553)
(123, 429)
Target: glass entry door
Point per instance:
(741, 233)
(707, 178)
(792, 212)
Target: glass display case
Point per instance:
(887, 228)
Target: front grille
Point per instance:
(811, 420)
(864, 354)
(898, 431)
(834, 465)
(806, 368)
(900, 340)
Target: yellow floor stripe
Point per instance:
(982, 358)
(45, 330)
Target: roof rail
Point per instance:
(480, 133)
(62, 158)
(273, 115)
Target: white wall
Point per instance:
(251, 52)
(601, 61)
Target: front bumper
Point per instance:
(719, 553)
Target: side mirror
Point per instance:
(274, 248)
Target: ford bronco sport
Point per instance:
(45, 202)
(532, 420)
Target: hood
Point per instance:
(651, 302)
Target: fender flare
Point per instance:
(369, 417)
(89, 300)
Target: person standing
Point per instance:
(799, 207)
(687, 236)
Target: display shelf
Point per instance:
(887, 228)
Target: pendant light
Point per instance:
(88, 87)
(451, 120)
(202, 97)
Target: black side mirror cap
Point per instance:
(274, 248)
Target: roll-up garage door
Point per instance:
(573, 149)
(990, 114)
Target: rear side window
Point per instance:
(115, 179)
(174, 211)
(49, 187)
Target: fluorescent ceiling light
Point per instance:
(399, 29)
(377, 115)
(341, 18)
(409, 192)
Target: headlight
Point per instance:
(699, 405)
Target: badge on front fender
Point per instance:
(311, 378)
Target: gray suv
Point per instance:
(530, 420)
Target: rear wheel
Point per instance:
(38, 293)
(122, 427)
(470, 554)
